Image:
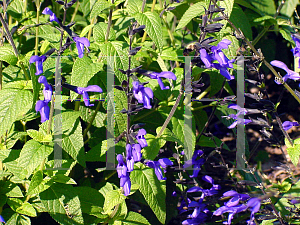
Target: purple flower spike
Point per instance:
(164, 74)
(47, 91)
(206, 58)
(43, 108)
(288, 125)
(290, 74)
(141, 139)
(81, 42)
(197, 163)
(53, 17)
(220, 56)
(121, 167)
(296, 50)
(2, 219)
(254, 205)
(142, 94)
(136, 152)
(38, 63)
(129, 158)
(238, 108)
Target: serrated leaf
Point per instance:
(152, 21)
(61, 178)
(211, 142)
(32, 155)
(169, 136)
(38, 136)
(68, 119)
(99, 6)
(63, 204)
(19, 219)
(7, 54)
(21, 207)
(264, 18)
(120, 101)
(153, 190)
(154, 144)
(86, 30)
(100, 30)
(293, 151)
(95, 154)
(192, 12)
(72, 143)
(134, 6)
(240, 20)
(266, 7)
(37, 183)
(14, 103)
(10, 189)
(86, 6)
(83, 70)
(112, 198)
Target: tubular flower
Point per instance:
(288, 125)
(136, 152)
(237, 120)
(141, 139)
(142, 94)
(290, 74)
(296, 50)
(47, 91)
(129, 158)
(164, 74)
(42, 107)
(125, 183)
(123, 174)
(38, 63)
(121, 167)
(81, 42)
(254, 205)
(53, 17)
(220, 56)
(83, 91)
(197, 163)
(156, 165)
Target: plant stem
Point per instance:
(239, 32)
(109, 21)
(75, 11)
(281, 127)
(90, 31)
(37, 27)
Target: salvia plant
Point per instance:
(149, 112)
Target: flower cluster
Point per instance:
(199, 211)
(133, 154)
(196, 161)
(217, 54)
(158, 165)
(42, 105)
(236, 117)
(233, 206)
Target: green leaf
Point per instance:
(169, 136)
(18, 219)
(210, 142)
(289, 7)
(21, 207)
(100, 30)
(68, 119)
(83, 66)
(134, 218)
(240, 20)
(62, 203)
(112, 198)
(268, 222)
(61, 178)
(120, 102)
(86, 6)
(153, 190)
(7, 54)
(86, 30)
(37, 184)
(216, 81)
(264, 18)
(153, 27)
(134, 6)
(266, 7)
(95, 154)
(293, 151)
(14, 103)
(32, 155)
(192, 12)
(154, 144)
(10, 189)
(72, 143)
(39, 136)
(120, 58)
(99, 6)
(15, 8)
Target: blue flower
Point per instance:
(290, 74)
(121, 167)
(38, 63)
(47, 91)
(220, 56)
(83, 91)
(81, 42)
(240, 110)
(296, 50)
(237, 120)
(197, 163)
(206, 58)
(136, 152)
(288, 125)
(254, 205)
(164, 74)
(141, 139)
(156, 165)
(53, 17)
(206, 192)
(125, 183)
(42, 107)
(142, 94)
(129, 158)
(231, 210)
(123, 174)
(2, 219)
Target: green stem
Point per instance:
(90, 31)
(1, 75)
(37, 27)
(77, 105)
(239, 32)
(109, 21)
(75, 11)
(204, 93)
